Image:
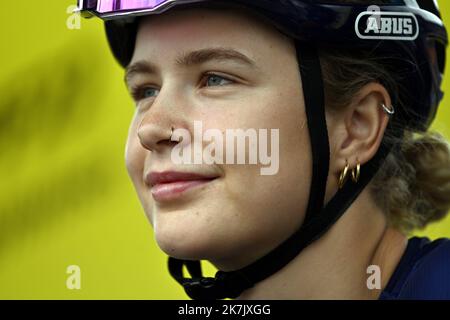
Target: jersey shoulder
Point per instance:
(426, 272)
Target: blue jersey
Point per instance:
(422, 273)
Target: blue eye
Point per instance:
(215, 80)
(149, 92)
(139, 93)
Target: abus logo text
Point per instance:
(387, 26)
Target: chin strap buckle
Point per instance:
(203, 289)
(223, 285)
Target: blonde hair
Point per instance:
(413, 185)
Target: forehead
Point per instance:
(191, 17)
(195, 28)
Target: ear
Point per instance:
(358, 130)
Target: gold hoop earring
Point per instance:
(356, 172)
(344, 175)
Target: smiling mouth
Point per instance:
(168, 186)
(171, 191)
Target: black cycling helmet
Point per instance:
(409, 33)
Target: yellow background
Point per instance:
(65, 198)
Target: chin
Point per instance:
(185, 242)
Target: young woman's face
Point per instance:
(227, 71)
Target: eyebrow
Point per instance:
(190, 59)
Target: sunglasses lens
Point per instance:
(107, 6)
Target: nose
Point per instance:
(152, 135)
(166, 113)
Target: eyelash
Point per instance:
(212, 74)
(138, 91)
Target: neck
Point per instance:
(335, 266)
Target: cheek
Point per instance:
(135, 156)
(134, 153)
(135, 159)
(273, 205)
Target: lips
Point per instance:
(169, 185)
